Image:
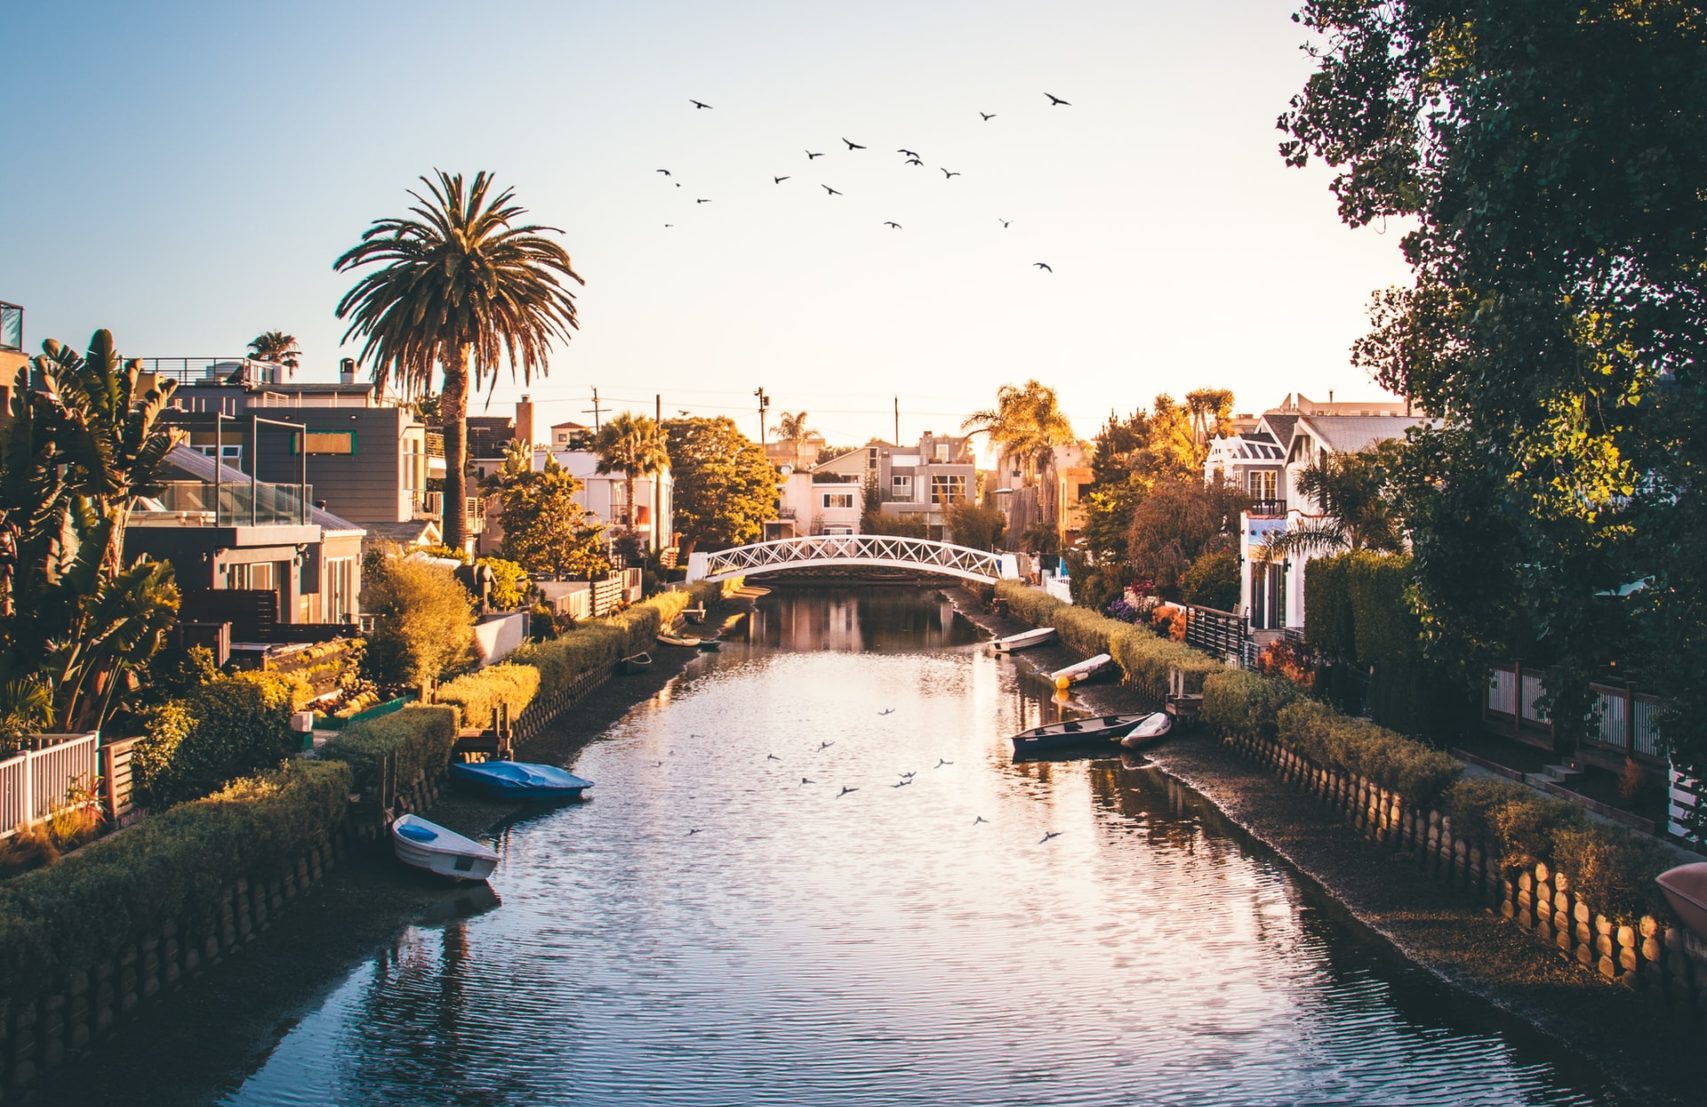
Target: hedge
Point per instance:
(1328, 621)
(176, 866)
(1239, 702)
(1144, 659)
(421, 737)
(231, 726)
(479, 694)
(1419, 773)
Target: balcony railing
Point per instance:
(431, 505)
(236, 504)
(236, 369)
(11, 327)
(1267, 508)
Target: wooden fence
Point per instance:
(1625, 722)
(1218, 633)
(36, 781)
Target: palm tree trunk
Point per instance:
(453, 414)
(628, 505)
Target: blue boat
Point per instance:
(520, 780)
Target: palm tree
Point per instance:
(793, 428)
(462, 288)
(277, 347)
(635, 446)
(1351, 491)
(1026, 424)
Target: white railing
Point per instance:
(1502, 692)
(34, 782)
(853, 549)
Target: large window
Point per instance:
(328, 442)
(948, 488)
(901, 488)
(340, 589)
(842, 500)
(258, 576)
(1264, 484)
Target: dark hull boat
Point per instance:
(1074, 733)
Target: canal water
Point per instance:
(813, 874)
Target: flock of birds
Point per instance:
(912, 158)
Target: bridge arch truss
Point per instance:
(853, 550)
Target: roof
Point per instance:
(1281, 426)
(1350, 433)
(198, 466)
(1256, 447)
(409, 532)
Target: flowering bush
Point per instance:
(1168, 620)
(1291, 660)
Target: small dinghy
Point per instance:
(634, 663)
(1685, 888)
(520, 780)
(427, 845)
(1023, 640)
(1083, 671)
(667, 639)
(1073, 733)
(1153, 729)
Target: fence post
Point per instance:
(1629, 720)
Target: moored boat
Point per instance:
(520, 780)
(634, 663)
(1074, 733)
(1023, 640)
(666, 639)
(709, 645)
(1685, 888)
(1153, 728)
(428, 846)
(1080, 672)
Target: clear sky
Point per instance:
(184, 173)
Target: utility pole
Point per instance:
(897, 420)
(658, 480)
(764, 402)
(594, 412)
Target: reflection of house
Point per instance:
(253, 554)
(1272, 589)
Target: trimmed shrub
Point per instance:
(1237, 702)
(478, 694)
(1327, 608)
(177, 865)
(1612, 869)
(424, 623)
(1384, 629)
(1419, 773)
(1516, 820)
(231, 726)
(421, 738)
(1212, 580)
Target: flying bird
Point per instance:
(909, 153)
(665, 172)
(697, 104)
(772, 757)
(853, 145)
(914, 161)
(667, 226)
(702, 201)
(1003, 222)
(897, 226)
(825, 745)
(1056, 102)
(887, 711)
(810, 155)
(946, 174)
(692, 832)
(1043, 266)
(903, 783)
(778, 180)
(830, 190)
(940, 762)
(979, 819)
(988, 115)
(1048, 834)
(909, 776)
(807, 780)
(845, 790)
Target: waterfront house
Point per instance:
(815, 502)
(12, 358)
(918, 482)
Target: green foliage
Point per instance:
(1328, 615)
(634, 446)
(76, 621)
(510, 583)
(177, 866)
(597, 644)
(1386, 630)
(545, 527)
(1353, 493)
(448, 553)
(1417, 772)
(1236, 702)
(1213, 580)
(1612, 869)
(977, 527)
(1178, 522)
(419, 737)
(725, 487)
(1094, 585)
(424, 623)
(230, 727)
(1026, 424)
(1518, 822)
(477, 695)
(277, 347)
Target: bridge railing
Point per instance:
(852, 548)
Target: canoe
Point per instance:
(429, 846)
(520, 780)
(1685, 888)
(676, 640)
(1153, 729)
(1074, 733)
(634, 663)
(1083, 671)
(1023, 640)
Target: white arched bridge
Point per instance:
(838, 551)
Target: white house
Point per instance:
(605, 495)
(818, 503)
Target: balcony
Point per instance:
(225, 370)
(195, 503)
(431, 505)
(1267, 509)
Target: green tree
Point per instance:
(462, 289)
(1179, 521)
(510, 585)
(1211, 416)
(725, 487)
(634, 446)
(1212, 580)
(1026, 424)
(545, 526)
(1356, 504)
(423, 625)
(976, 526)
(793, 430)
(76, 620)
(1548, 159)
(277, 347)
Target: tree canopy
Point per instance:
(545, 527)
(725, 487)
(634, 446)
(277, 347)
(1026, 424)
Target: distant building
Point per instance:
(914, 482)
(12, 357)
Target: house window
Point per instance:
(412, 464)
(340, 442)
(871, 459)
(838, 500)
(942, 451)
(229, 453)
(1263, 484)
(258, 576)
(948, 488)
(340, 601)
(901, 488)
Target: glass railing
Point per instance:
(11, 327)
(239, 504)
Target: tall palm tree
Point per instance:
(1026, 424)
(634, 446)
(793, 429)
(1351, 491)
(461, 287)
(277, 347)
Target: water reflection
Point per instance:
(920, 944)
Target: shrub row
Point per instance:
(421, 737)
(1240, 702)
(175, 866)
(231, 726)
(478, 695)
(1418, 772)
(1144, 658)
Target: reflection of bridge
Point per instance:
(835, 551)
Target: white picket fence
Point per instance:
(34, 782)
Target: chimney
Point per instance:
(524, 420)
(347, 370)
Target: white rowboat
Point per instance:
(1153, 729)
(1083, 671)
(427, 845)
(1023, 640)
